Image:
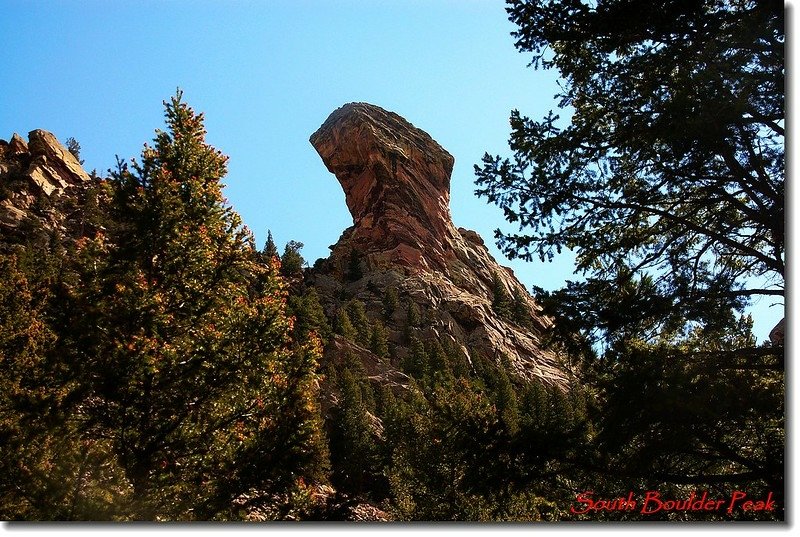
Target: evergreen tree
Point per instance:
(354, 270)
(353, 446)
(459, 364)
(519, 309)
(386, 402)
(270, 250)
(674, 207)
(501, 302)
(49, 470)
(379, 342)
(391, 301)
(438, 362)
(358, 315)
(309, 315)
(344, 326)
(507, 406)
(416, 362)
(353, 364)
(74, 147)
(291, 260)
(175, 345)
(413, 319)
(413, 315)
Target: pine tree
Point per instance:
(354, 364)
(48, 470)
(506, 400)
(413, 319)
(291, 260)
(501, 302)
(344, 326)
(309, 316)
(391, 301)
(74, 147)
(353, 450)
(439, 363)
(354, 270)
(379, 342)
(458, 361)
(413, 315)
(416, 362)
(519, 309)
(668, 153)
(182, 346)
(358, 315)
(270, 250)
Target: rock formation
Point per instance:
(33, 174)
(396, 181)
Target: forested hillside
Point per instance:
(157, 364)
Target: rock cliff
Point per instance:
(33, 175)
(396, 181)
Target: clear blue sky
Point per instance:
(267, 74)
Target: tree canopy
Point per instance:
(157, 353)
(666, 177)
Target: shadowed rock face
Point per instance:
(396, 181)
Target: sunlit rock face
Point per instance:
(40, 169)
(396, 181)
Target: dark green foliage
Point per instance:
(185, 257)
(391, 301)
(292, 261)
(74, 147)
(356, 367)
(413, 320)
(385, 401)
(161, 378)
(652, 182)
(354, 270)
(416, 363)
(344, 326)
(358, 315)
(456, 359)
(506, 401)
(379, 342)
(667, 182)
(727, 418)
(270, 250)
(309, 317)
(466, 450)
(501, 302)
(47, 471)
(413, 314)
(353, 448)
(520, 313)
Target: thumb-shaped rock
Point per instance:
(396, 181)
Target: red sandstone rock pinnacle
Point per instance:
(396, 181)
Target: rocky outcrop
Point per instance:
(777, 335)
(396, 181)
(32, 175)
